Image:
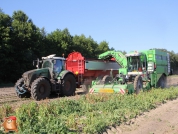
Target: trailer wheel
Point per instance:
(19, 85)
(40, 89)
(69, 85)
(162, 82)
(138, 84)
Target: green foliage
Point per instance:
(5, 47)
(39, 119)
(87, 46)
(102, 47)
(5, 111)
(86, 114)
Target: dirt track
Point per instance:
(162, 120)
(8, 95)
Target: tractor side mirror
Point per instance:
(36, 63)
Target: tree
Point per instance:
(5, 47)
(20, 42)
(59, 42)
(102, 47)
(87, 46)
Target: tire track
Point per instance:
(8, 95)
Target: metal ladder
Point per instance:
(80, 70)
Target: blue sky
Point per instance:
(125, 24)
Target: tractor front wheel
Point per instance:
(20, 93)
(40, 89)
(138, 84)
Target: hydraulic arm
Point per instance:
(119, 57)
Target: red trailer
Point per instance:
(87, 70)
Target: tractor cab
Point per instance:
(136, 64)
(55, 64)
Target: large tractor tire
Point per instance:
(40, 89)
(18, 87)
(68, 85)
(138, 84)
(162, 81)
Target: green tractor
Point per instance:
(50, 78)
(139, 70)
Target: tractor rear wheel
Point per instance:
(69, 85)
(40, 89)
(19, 85)
(138, 84)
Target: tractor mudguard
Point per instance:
(63, 73)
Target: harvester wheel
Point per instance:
(18, 85)
(106, 79)
(138, 84)
(69, 85)
(40, 89)
(162, 82)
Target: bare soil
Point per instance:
(172, 80)
(8, 96)
(162, 120)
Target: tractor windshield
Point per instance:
(134, 63)
(58, 66)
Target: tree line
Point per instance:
(21, 41)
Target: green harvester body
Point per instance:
(139, 70)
